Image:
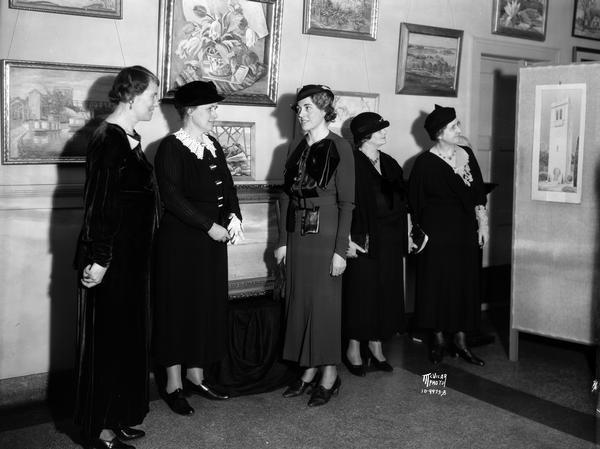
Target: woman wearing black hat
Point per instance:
(202, 214)
(447, 199)
(113, 261)
(373, 282)
(316, 211)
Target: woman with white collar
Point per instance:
(202, 214)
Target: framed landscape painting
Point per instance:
(428, 60)
(521, 18)
(354, 19)
(110, 9)
(49, 111)
(586, 19)
(582, 54)
(238, 141)
(233, 43)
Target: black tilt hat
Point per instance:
(437, 119)
(367, 123)
(197, 93)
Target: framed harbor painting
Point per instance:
(341, 18)
(238, 142)
(234, 43)
(586, 19)
(428, 60)
(49, 110)
(110, 9)
(521, 18)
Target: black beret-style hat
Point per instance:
(437, 119)
(197, 93)
(311, 89)
(367, 123)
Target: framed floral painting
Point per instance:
(233, 43)
(521, 18)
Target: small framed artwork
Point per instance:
(347, 106)
(233, 43)
(49, 111)
(110, 9)
(586, 19)
(558, 132)
(238, 142)
(341, 18)
(518, 18)
(428, 60)
(582, 54)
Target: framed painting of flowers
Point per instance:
(233, 43)
(521, 18)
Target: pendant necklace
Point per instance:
(373, 161)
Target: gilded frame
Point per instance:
(350, 24)
(244, 68)
(92, 8)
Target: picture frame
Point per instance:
(518, 18)
(348, 105)
(428, 60)
(341, 18)
(49, 110)
(238, 140)
(558, 142)
(108, 9)
(583, 54)
(237, 49)
(586, 19)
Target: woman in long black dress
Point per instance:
(373, 297)
(201, 215)
(316, 211)
(113, 260)
(448, 201)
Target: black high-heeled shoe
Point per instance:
(299, 387)
(128, 433)
(379, 365)
(115, 443)
(466, 354)
(178, 403)
(206, 390)
(322, 395)
(357, 370)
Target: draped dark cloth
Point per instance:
(373, 290)
(448, 269)
(113, 317)
(190, 314)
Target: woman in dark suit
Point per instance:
(316, 210)
(374, 279)
(113, 260)
(202, 214)
(448, 201)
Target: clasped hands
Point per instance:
(234, 232)
(92, 275)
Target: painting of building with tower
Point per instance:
(558, 143)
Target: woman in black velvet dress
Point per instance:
(113, 260)
(373, 296)
(447, 199)
(202, 214)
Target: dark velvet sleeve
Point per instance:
(233, 203)
(416, 191)
(479, 196)
(168, 164)
(344, 183)
(284, 201)
(101, 198)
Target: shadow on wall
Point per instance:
(65, 224)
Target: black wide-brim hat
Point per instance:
(367, 123)
(438, 119)
(197, 93)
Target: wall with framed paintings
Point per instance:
(356, 54)
(554, 286)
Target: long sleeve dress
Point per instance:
(373, 294)
(120, 216)
(448, 268)
(191, 268)
(313, 296)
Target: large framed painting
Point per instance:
(558, 132)
(582, 54)
(110, 9)
(234, 43)
(586, 19)
(428, 60)
(521, 18)
(238, 142)
(355, 19)
(50, 110)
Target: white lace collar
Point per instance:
(194, 145)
